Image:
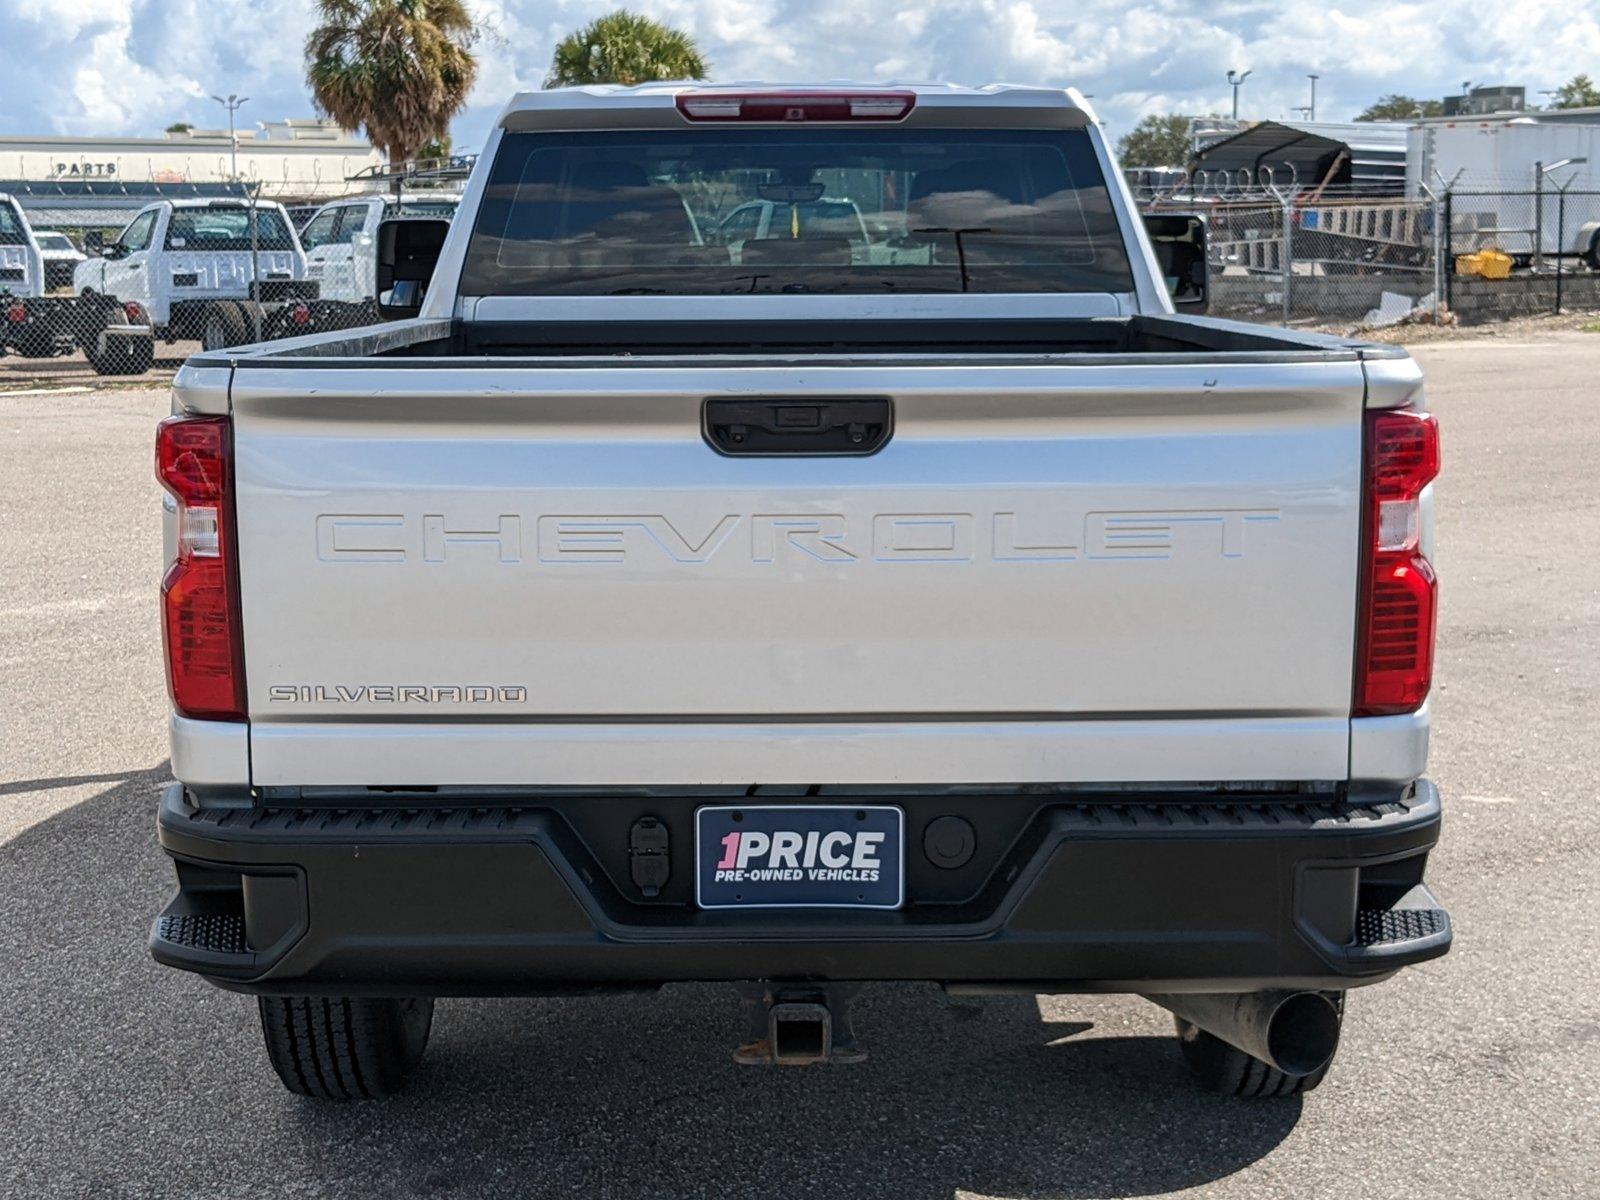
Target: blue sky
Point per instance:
(135, 66)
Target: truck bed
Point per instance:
(442, 342)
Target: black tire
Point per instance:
(225, 326)
(35, 343)
(1229, 1071)
(342, 1048)
(118, 355)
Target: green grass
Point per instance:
(1590, 327)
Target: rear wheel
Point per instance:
(1229, 1071)
(344, 1048)
(36, 343)
(225, 326)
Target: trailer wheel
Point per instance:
(225, 326)
(344, 1048)
(1592, 255)
(110, 355)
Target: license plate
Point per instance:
(800, 856)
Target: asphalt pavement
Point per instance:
(1474, 1076)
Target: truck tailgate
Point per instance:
(523, 574)
(223, 273)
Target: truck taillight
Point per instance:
(200, 593)
(796, 106)
(1399, 592)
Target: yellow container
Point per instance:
(1491, 264)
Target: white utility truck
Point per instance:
(341, 240)
(209, 270)
(114, 336)
(628, 612)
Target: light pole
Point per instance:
(1235, 79)
(232, 104)
(1311, 111)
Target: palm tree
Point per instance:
(400, 69)
(624, 47)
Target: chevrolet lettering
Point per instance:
(828, 537)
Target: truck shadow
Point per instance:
(977, 1096)
(610, 1096)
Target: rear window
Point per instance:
(818, 210)
(227, 229)
(11, 227)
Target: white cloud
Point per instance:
(134, 66)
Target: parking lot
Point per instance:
(73, 371)
(1476, 1075)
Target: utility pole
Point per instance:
(232, 104)
(1235, 79)
(1311, 110)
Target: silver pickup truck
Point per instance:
(924, 597)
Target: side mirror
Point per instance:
(408, 250)
(1179, 240)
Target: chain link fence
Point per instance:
(118, 279)
(1546, 241)
(1285, 256)
(89, 286)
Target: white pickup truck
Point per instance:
(634, 613)
(341, 240)
(207, 270)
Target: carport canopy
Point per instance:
(1366, 157)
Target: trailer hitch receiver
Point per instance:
(797, 1025)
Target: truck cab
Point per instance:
(21, 263)
(340, 241)
(178, 259)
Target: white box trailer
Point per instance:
(1492, 167)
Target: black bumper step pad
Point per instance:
(1384, 926)
(216, 933)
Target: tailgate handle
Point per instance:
(813, 426)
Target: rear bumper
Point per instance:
(1068, 893)
(60, 322)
